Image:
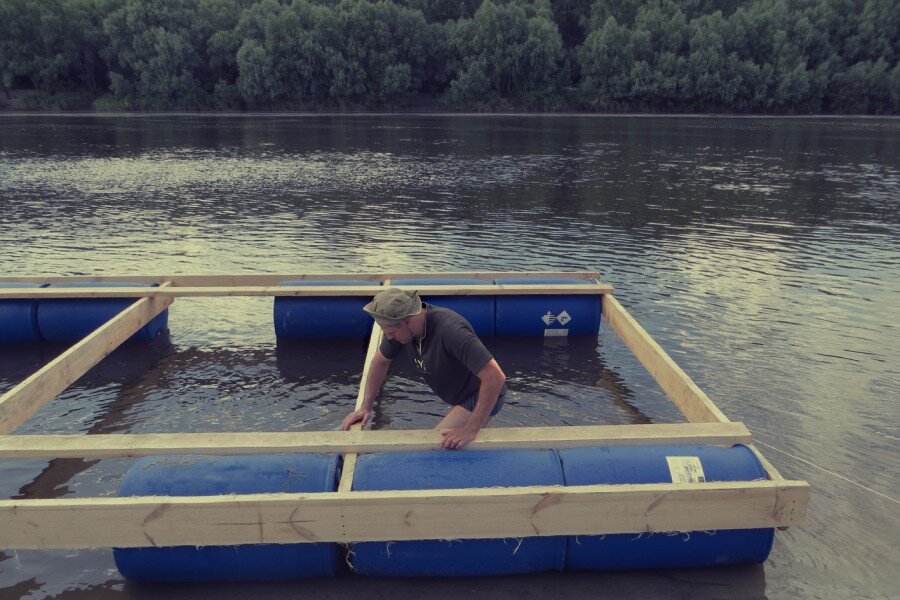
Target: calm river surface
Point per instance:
(762, 254)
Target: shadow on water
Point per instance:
(19, 361)
(339, 364)
(564, 381)
(22, 588)
(135, 369)
(741, 582)
(315, 361)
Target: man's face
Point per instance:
(399, 332)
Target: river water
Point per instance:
(762, 254)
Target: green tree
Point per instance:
(47, 43)
(786, 56)
(623, 11)
(157, 51)
(355, 53)
(659, 39)
(606, 59)
(255, 69)
(383, 45)
(713, 78)
(508, 51)
(572, 17)
(866, 87)
(440, 11)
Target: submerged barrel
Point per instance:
(449, 470)
(477, 310)
(323, 317)
(664, 464)
(69, 320)
(18, 318)
(208, 476)
(547, 315)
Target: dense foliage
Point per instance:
(758, 56)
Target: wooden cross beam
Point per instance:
(355, 441)
(399, 515)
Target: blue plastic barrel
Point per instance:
(648, 464)
(451, 470)
(547, 315)
(209, 476)
(477, 310)
(70, 320)
(323, 317)
(18, 318)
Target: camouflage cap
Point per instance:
(392, 305)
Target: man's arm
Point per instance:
(378, 369)
(492, 380)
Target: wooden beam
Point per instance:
(275, 279)
(356, 441)
(349, 467)
(399, 515)
(690, 399)
(18, 404)
(323, 291)
(771, 471)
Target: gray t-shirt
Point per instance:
(448, 357)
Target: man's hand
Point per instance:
(356, 416)
(455, 439)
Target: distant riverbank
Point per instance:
(495, 56)
(17, 107)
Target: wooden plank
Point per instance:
(771, 471)
(349, 467)
(690, 399)
(399, 515)
(263, 279)
(275, 290)
(18, 404)
(356, 441)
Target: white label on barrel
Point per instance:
(686, 469)
(562, 318)
(556, 332)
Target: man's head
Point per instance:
(397, 313)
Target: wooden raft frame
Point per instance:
(352, 516)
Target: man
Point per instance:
(444, 349)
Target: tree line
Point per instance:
(756, 56)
